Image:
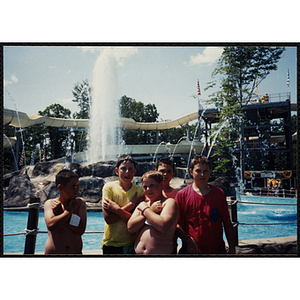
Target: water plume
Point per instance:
(104, 134)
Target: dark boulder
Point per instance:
(91, 188)
(7, 177)
(19, 191)
(143, 167)
(223, 183)
(43, 169)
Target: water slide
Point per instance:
(21, 119)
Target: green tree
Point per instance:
(172, 135)
(34, 136)
(56, 139)
(8, 153)
(240, 68)
(129, 108)
(82, 96)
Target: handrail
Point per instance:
(277, 223)
(36, 232)
(248, 202)
(265, 192)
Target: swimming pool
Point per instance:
(16, 221)
(268, 212)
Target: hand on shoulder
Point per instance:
(56, 207)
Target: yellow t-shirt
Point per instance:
(116, 234)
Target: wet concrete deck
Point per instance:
(275, 246)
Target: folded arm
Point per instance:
(112, 212)
(163, 221)
(55, 216)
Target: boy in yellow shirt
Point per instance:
(119, 198)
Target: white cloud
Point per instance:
(13, 78)
(91, 49)
(67, 101)
(121, 53)
(209, 56)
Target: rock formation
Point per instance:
(39, 180)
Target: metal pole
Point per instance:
(32, 223)
(16, 163)
(234, 220)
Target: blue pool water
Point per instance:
(258, 213)
(16, 221)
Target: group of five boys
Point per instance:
(145, 219)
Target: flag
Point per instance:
(32, 158)
(44, 155)
(198, 88)
(287, 77)
(256, 89)
(21, 158)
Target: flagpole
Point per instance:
(256, 89)
(288, 81)
(198, 94)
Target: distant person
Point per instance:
(119, 199)
(202, 212)
(65, 216)
(269, 187)
(166, 166)
(154, 219)
(267, 98)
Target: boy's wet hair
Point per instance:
(124, 158)
(64, 176)
(199, 160)
(167, 161)
(153, 174)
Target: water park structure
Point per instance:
(260, 134)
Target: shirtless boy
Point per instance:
(65, 216)
(166, 166)
(154, 219)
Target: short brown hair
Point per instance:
(65, 176)
(124, 158)
(199, 160)
(167, 161)
(153, 174)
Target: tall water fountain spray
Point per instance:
(104, 134)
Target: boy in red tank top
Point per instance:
(203, 211)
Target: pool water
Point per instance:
(16, 221)
(258, 213)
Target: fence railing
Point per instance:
(270, 192)
(232, 203)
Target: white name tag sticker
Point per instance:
(74, 220)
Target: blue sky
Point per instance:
(38, 76)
